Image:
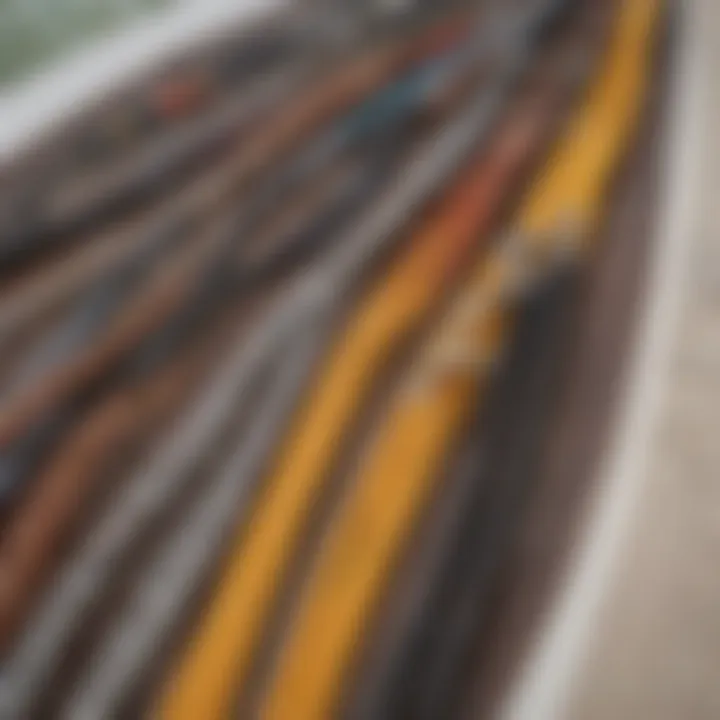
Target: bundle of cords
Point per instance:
(230, 397)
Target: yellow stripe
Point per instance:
(397, 477)
(570, 195)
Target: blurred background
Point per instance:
(36, 33)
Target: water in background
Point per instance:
(34, 32)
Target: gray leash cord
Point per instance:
(178, 569)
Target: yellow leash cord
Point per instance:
(397, 477)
